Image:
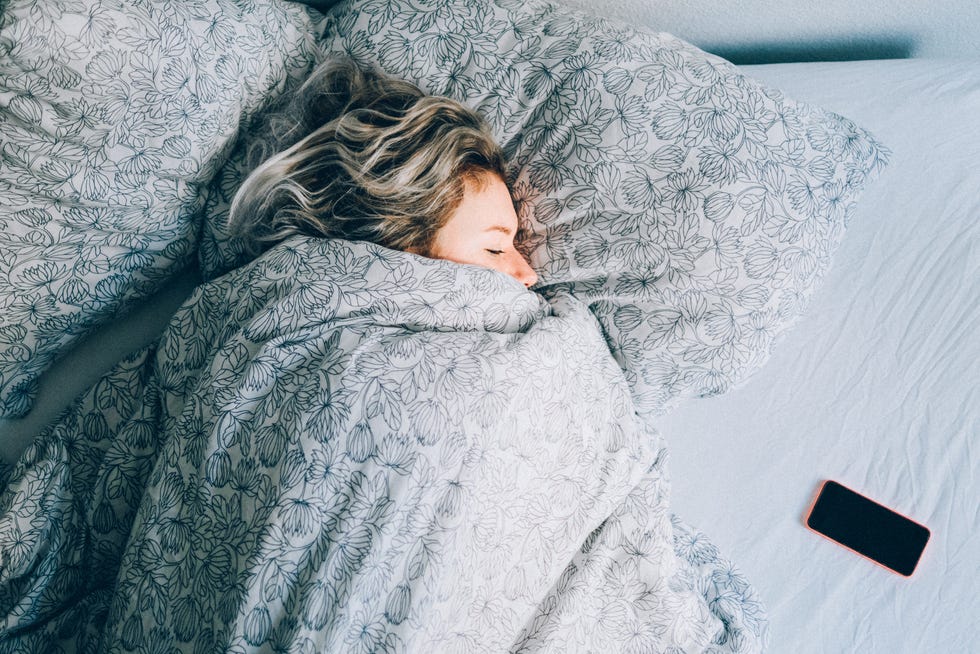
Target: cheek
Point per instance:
(448, 244)
(500, 265)
(459, 250)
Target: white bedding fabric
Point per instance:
(876, 386)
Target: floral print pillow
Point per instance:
(113, 119)
(690, 206)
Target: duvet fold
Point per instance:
(343, 448)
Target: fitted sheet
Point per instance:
(876, 386)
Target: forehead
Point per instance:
(486, 205)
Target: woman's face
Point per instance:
(481, 231)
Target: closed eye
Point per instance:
(495, 252)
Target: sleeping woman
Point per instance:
(371, 158)
(340, 447)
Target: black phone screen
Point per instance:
(868, 528)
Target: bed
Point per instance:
(876, 387)
(860, 385)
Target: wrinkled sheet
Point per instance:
(876, 386)
(339, 447)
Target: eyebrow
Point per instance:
(499, 228)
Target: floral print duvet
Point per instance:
(343, 448)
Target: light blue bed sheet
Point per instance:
(876, 386)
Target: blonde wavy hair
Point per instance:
(362, 156)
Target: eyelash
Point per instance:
(495, 252)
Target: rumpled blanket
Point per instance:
(342, 448)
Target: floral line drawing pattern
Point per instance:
(346, 448)
(692, 208)
(114, 118)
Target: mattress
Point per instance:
(876, 386)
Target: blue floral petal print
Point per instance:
(372, 478)
(113, 125)
(630, 151)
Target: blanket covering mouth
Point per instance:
(343, 448)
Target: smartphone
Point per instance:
(867, 528)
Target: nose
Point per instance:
(522, 271)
